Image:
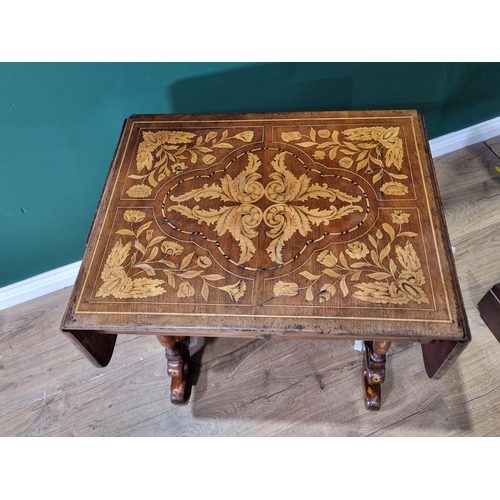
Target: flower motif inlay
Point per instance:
(240, 216)
(374, 150)
(151, 255)
(165, 153)
(388, 283)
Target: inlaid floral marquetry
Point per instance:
(285, 219)
(376, 151)
(324, 225)
(169, 152)
(240, 215)
(145, 253)
(382, 272)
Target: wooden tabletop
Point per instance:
(324, 224)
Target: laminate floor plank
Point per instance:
(422, 414)
(494, 144)
(98, 407)
(470, 190)
(39, 362)
(473, 163)
(279, 390)
(477, 264)
(471, 387)
(280, 386)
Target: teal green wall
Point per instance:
(59, 124)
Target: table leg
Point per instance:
(374, 372)
(177, 354)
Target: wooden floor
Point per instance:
(260, 387)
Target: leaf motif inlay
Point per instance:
(389, 284)
(379, 150)
(161, 154)
(120, 269)
(241, 217)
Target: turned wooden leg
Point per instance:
(177, 354)
(374, 372)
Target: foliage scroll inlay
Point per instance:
(389, 272)
(165, 153)
(131, 269)
(239, 215)
(376, 151)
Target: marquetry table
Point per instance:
(322, 225)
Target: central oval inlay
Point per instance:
(264, 208)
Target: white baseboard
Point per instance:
(465, 137)
(65, 276)
(38, 285)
